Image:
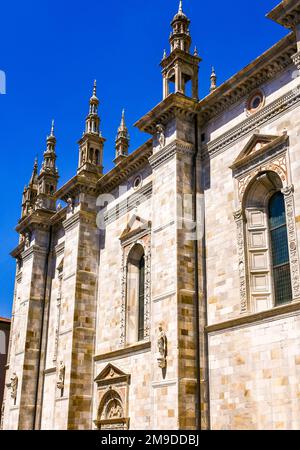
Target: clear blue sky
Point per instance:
(52, 51)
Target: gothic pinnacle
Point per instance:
(52, 129)
(95, 89)
(180, 10)
(213, 80)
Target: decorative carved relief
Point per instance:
(14, 381)
(112, 397)
(292, 240)
(238, 217)
(278, 165)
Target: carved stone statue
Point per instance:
(70, 205)
(115, 411)
(61, 376)
(162, 348)
(27, 240)
(14, 386)
(161, 135)
(39, 203)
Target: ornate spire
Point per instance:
(92, 123)
(30, 191)
(48, 178)
(91, 143)
(33, 179)
(180, 11)
(122, 140)
(180, 37)
(181, 65)
(48, 164)
(52, 128)
(213, 80)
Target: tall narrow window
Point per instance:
(141, 322)
(280, 250)
(135, 298)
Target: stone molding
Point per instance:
(169, 151)
(59, 249)
(129, 204)
(33, 250)
(125, 351)
(277, 312)
(269, 112)
(82, 217)
(278, 165)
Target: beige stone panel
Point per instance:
(254, 373)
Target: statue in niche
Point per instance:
(61, 377)
(70, 205)
(161, 135)
(162, 348)
(14, 386)
(27, 240)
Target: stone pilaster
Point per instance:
(80, 287)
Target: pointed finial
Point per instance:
(95, 89)
(180, 11)
(213, 80)
(52, 128)
(165, 54)
(196, 51)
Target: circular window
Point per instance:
(137, 182)
(255, 102)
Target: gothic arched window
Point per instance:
(279, 250)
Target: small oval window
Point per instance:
(255, 102)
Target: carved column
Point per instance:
(238, 217)
(292, 240)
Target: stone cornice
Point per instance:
(173, 106)
(287, 13)
(83, 182)
(16, 252)
(177, 146)
(244, 320)
(127, 205)
(80, 216)
(33, 250)
(143, 346)
(261, 70)
(244, 128)
(40, 219)
(269, 150)
(127, 167)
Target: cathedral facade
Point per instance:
(165, 293)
